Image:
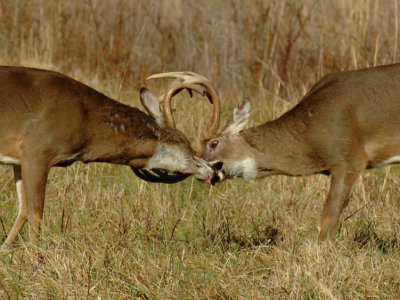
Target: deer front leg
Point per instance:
(30, 180)
(342, 182)
(34, 174)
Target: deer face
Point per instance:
(228, 152)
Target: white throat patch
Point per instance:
(392, 160)
(167, 158)
(246, 168)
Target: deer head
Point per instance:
(228, 152)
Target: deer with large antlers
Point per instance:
(48, 119)
(348, 122)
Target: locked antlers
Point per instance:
(192, 82)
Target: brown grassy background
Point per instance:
(106, 234)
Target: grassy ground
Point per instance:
(106, 234)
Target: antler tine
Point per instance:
(175, 86)
(160, 176)
(191, 81)
(186, 76)
(217, 106)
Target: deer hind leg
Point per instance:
(21, 217)
(342, 182)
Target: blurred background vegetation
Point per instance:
(243, 47)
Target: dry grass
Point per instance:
(106, 234)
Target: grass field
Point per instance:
(108, 235)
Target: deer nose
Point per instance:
(218, 166)
(217, 177)
(219, 173)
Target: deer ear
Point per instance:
(239, 119)
(151, 104)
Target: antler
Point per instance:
(160, 176)
(192, 82)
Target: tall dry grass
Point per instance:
(106, 234)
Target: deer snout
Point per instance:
(219, 172)
(204, 172)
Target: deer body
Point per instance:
(348, 122)
(48, 119)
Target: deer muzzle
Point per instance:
(204, 171)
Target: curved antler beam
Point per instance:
(192, 82)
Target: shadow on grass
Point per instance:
(261, 236)
(366, 236)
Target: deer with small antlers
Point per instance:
(48, 119)
(348, 122)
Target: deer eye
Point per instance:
(213, 145)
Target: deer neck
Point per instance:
(279, 148)
(121, 134)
